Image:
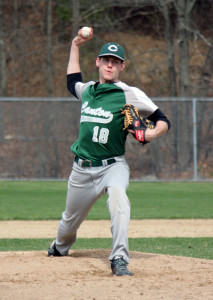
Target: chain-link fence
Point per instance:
(36, 135)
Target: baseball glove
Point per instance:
(136, 123)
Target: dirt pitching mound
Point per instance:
(86, 274)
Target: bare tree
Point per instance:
(164, 7)
(207, 73)
(49, 47)
(75, 17)
(3, 76)
(15, 39)
(183, 9)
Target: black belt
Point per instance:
(89, 163)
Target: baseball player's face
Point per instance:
(109, 68)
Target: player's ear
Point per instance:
(98, 62)
(123, 65)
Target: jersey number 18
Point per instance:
(101, 135)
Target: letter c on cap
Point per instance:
(113, 48)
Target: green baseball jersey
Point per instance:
(101, 134)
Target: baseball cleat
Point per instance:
(52, 251)
(119, 267)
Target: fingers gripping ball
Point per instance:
(85, 32)
(133, 121)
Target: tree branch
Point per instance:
(200, 35)
(189, 5)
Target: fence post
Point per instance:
(194, 136)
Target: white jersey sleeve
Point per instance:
(138, 98)
(80, 87)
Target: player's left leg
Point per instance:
(119, 209)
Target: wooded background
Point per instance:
(169, 52)
(168, 44)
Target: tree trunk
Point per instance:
(183, 43)
(183, 9)
(206, 74)
(15, 39)
(164, 7)
(75, 17)
(49, 47)
(205, 81)
(3, 71)
(169, 34)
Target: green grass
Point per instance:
(190, 247)
(29, 200)
(32, 200)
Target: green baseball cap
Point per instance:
(112, 49)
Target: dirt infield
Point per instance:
(86, 274)
(92, 229)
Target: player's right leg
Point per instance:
(81, 195)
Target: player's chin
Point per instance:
(109, 77)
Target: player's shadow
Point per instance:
(103, 254)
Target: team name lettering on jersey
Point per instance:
(97, 112)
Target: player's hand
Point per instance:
(149, 134)
(160, 129)
(79, 40)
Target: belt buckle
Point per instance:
(87, 163)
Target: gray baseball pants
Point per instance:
(85, 186)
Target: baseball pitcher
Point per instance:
(110, 110)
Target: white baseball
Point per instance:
(85, 32)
